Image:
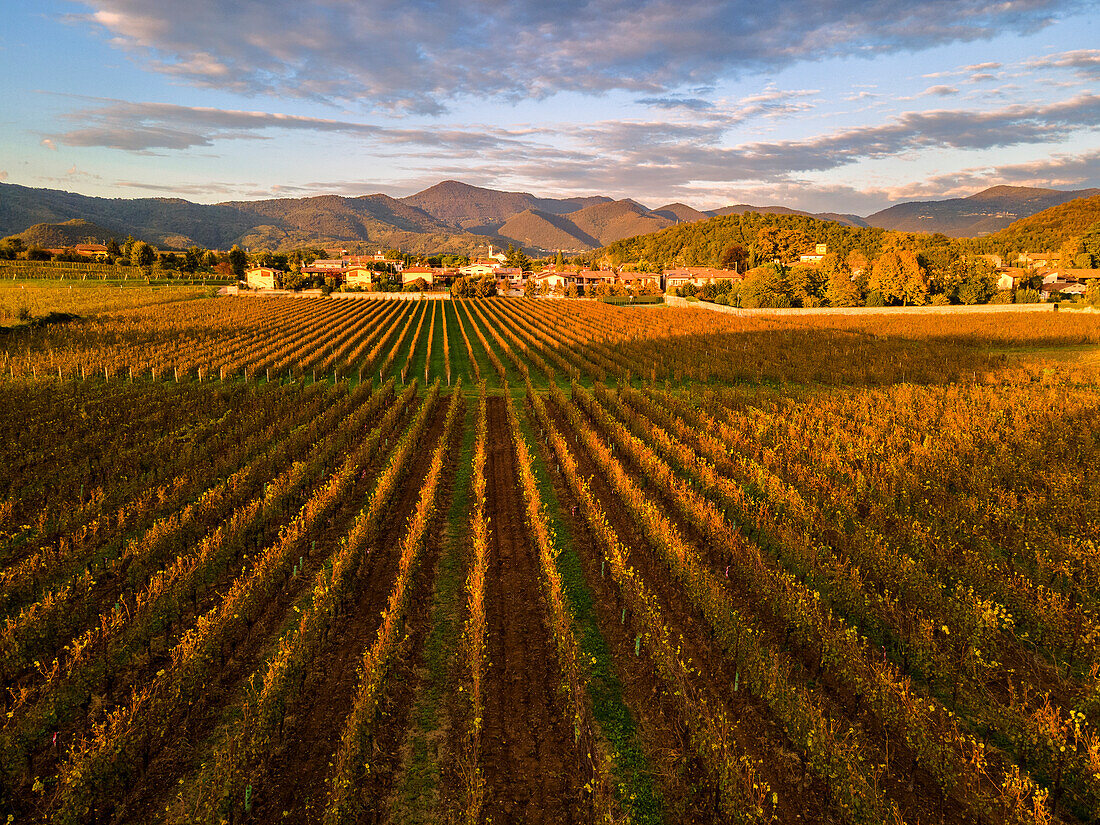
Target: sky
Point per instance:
(825, 105)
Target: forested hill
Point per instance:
(1046, 231)
(705, 243)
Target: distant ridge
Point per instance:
(66, 233)
(461, 204)
(456, 217)
(977, 215)
(680, 213)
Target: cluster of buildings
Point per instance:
(359, 271)
(1056, 280)
(91, 251)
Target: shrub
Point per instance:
(1028, 296)
(875, 299)
(940, 300)
(1001, 296)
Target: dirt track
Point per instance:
(530, 767)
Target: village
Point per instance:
(1036, 271)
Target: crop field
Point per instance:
(334, 560)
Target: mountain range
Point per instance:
(450, 217)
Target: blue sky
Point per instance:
(818, 104)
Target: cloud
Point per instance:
(668, 155)
(144, 127)
(419, 55)
(49, 144)
(694, 104)
(1084, 62)
(3, 175)
(939, 91)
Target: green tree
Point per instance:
(461, 287)
(486, 286)
(515, 257)
(141, 254)
(238, 261)
(192, 259)
(559, 259)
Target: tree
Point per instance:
(734, 257)
(1092, 292)
(559, 260)
(914, 290)
(765, 286)
(515, 257)
(888, 277)
(293, 280)
(841, 290)
(486, 286)
(238, 261)
(1090, 245)
(979, 283)
(113, 249)
(192, 259)
(782, 245)
(141, 254)
(461, 287)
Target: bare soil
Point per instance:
(531, 768)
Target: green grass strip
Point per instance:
(417, 799)
(638, 796)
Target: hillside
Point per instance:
(702, 243)
(462, 205)
(742, 208)
(1049, 229)
(535, 229)
(278, 224)
(615, 220)
(681, 213)
(458, 218)
(67, 233)
(981, 214)
(151, 219)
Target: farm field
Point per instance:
(506, 560)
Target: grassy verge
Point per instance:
(416, 798)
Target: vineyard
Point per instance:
(332, 560)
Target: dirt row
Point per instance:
(532, 771)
